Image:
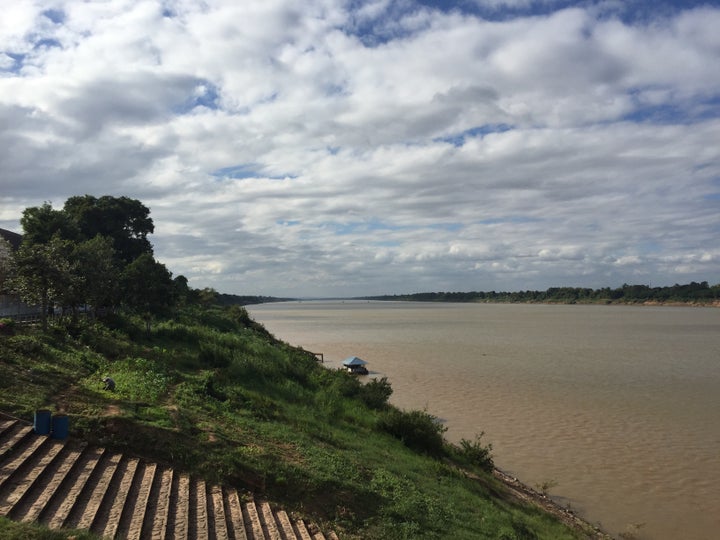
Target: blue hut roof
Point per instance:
(354, 361)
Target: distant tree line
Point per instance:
(699, 293)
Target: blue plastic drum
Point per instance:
(41, 423)
(60, 426)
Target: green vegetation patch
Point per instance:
(213, 393)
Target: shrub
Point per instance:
(375, 393)
(28, 345)
(213, 355)
(476, 453)
(418, 430)
(7, 326)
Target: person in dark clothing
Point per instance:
(109, 384)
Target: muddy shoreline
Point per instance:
(528, 495)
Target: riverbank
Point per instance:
(215, 395)
(525, 493)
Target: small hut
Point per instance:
(355, 365)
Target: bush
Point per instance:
(476, 453)
(7, 326)
(418, 430)
(214, 355)
(375, 393)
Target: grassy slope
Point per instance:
(211, 392)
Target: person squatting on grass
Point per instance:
(109, 384)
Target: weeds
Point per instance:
(545, 486)
(476, 453)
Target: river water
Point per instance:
(619, 406)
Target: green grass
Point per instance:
(215, 394)
(10, 530)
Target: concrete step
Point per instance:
(199, 519)
(178, 525)
(56, 513)
(131, 524)
(67, 485)
(107, 522)
(252, 521)
(6, 424)
(15, 485)
(29, 509)
(20, 459)
(12, 438)
(218, 519)
(159, 506)
(267, 518)
(95, 494)
(235, 515)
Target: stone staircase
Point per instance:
(66, 485)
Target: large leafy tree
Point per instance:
(44, 274)
(126, 221)
(7, 265)
(88, 252)
(147, 287)
(94, 265)
(41, 223)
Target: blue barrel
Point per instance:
(60, 426)
(41, 423)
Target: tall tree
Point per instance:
(7, 264)
(94, 264)
(126, 221)
(41, 223)
(44, 273)
(147, 287)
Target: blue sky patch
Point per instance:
(55, 15)
(629, 12)
(48, 43)
(205, 94)
(239, 172)
(478, 131)
(248, 170)
(18, 60)
(508, 219)
(676, 113)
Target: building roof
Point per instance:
(14, 239)
(354, 361)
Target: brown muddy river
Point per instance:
(619, 406)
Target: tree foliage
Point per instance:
(99, 273)
(44, 274)
(147, 287)
(7, 266)
(126, 221)
(41, 223)
(418, 430)
(96, 252)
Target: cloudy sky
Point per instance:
(342, 147)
